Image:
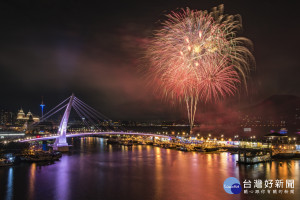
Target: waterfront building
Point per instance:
(275, 136)
(21, 117)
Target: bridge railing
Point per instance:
(79, 134)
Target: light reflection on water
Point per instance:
(94, 170)
(31, 178)
(9, 188)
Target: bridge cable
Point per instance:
(81, 116)
(92, 109)
(84, 113)
(96, 118)
(45, 116)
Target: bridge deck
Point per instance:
(93, 133)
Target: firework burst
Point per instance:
(198, 56)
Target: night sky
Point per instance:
(52, 48)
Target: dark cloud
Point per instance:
(53, 48)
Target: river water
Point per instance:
(95, 170)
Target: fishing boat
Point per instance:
(199, 149)
(222, 150)
(178, 147)
(112, 140)
(172, 146)
(186, 148)
(128, 143)
(5, 162)
(39, 156)
(156, 144)
(211, 149)
(141, 143)
(149, 142)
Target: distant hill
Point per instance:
(276, 106)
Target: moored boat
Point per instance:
(128, 143)
(5, 162)
(41, 156)
(112, 141)
(141, 143)
(211, 149)
(199, 149)
(222, 150)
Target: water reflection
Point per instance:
(31, 177)
(10, 182)
(94, 170)
(62, 179)
(158, 172)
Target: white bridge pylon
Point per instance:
(61, 141)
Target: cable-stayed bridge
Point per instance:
(90, 117)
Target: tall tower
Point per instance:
(42, 107)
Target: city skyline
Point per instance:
(278, 114)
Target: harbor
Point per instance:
(140, 171)
(249, 152)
